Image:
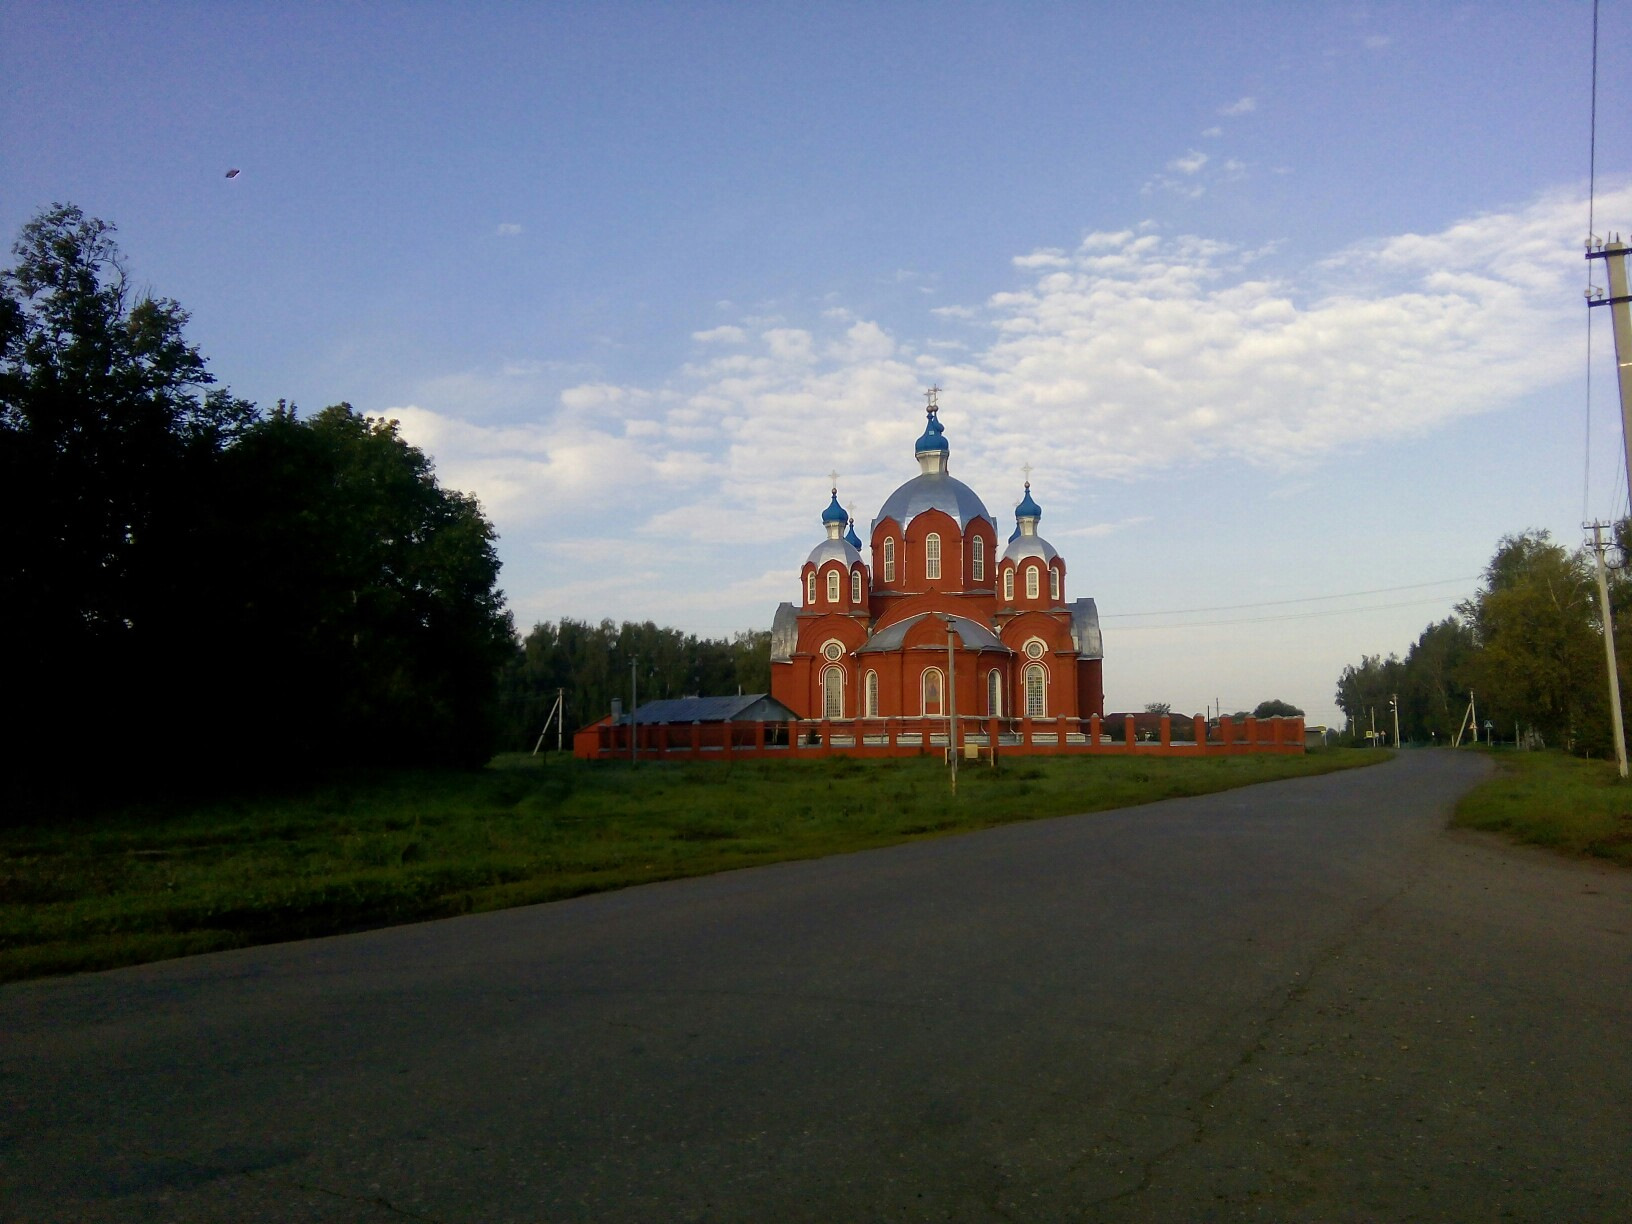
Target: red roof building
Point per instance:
(871, 640)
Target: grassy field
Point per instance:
(157, 881)
(1551, 799)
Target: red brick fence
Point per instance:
(895, 737)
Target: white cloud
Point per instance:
(1190, 163)
(1132, 353)
(1242, 106)
(509, 229)
(1376, 42)
(724, 334)
(1212, 132)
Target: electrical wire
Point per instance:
(1277, 603)
(1592, 198)
(1290, 616)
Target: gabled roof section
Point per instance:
(743, 707)
(971, 633)
(1085, 629)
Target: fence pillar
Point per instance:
(1167, 731)
(1130, 735)
(1199, 730)
(1226, 731)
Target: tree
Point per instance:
(107, 420)
(365, 592)
(1276, 709)
(1159, 707)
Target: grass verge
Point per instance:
(1550, 799)
(155, 881)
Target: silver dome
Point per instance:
(933, 491)
(1023, 546)
(834, 550)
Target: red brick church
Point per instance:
(871, 641)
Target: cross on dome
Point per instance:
(929, 396)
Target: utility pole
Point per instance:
(951, 703)
(1394, 704)
(1609, 648)
(1614, 253)
(633, 690)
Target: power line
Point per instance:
(1276, 603)
(1290, 616)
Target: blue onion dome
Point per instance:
(851, 536)
(932, 439)
(835, 513)
(1027, 507)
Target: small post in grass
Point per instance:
(951, 703)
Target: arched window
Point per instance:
(994, 694)
(855, 587)
(1054, 584)
(889, 560)
(977, 559)
(833, 693)
(832, 586)
(1036, 691)
(932, 556)
(1031, 582)
(872, 694)
(1008, 586)
(932, 690)
(810, 589)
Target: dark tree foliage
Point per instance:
(361, 592)
(188, 587)
(1276, 708)
(590, 665)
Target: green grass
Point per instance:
(1550, 799)
(156, 881)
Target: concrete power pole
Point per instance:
(1614, 253)
(951, 704)
(1609, 649)
(1394, 704)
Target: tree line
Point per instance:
(590, 665)
(1528, 645)
(190, 585)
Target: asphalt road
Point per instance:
(1303, 1001)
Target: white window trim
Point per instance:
(1038, 670)
(923, 692)
(889, 560)
(1008, 586)
(833, 586)
(1033, 583)
(1054, 584)
(810, 589)
(855, 587)
(994, 694)
(977, 552)
(828, 675)
(870, 688)
(932, 557)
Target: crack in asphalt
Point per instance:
(376, 1200)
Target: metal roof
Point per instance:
(971, 633)
(738, 708)
(934, 491)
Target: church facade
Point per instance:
(867, 640)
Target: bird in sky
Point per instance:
(233, 173)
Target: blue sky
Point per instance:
(1281, 301)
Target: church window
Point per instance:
(810, 589)
(1054, 585)
(872, 694)
(932, 557)
(977, 559)
(932, 691)
(1031, 582)
(832, 586)
(855, 587)
(832, 651)
(1035, 648)
(833, 693)
(994, 694)
(1036, 691)
(1008, 586)
(889, 560)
